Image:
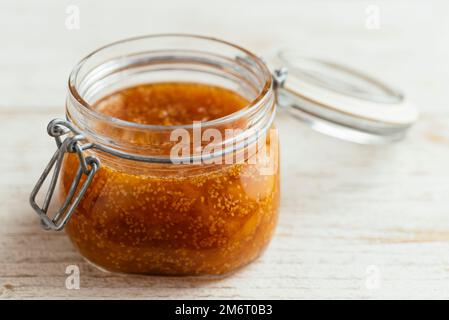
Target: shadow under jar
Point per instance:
(157, 203)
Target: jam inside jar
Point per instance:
(146, 213)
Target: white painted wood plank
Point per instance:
(345, 207)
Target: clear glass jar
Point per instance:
(127, 204)
(140, 198)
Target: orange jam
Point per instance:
(171, 103)
(172, 219)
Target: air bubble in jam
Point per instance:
(167, 219)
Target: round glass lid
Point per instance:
(340, 101)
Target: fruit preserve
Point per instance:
(173, 219)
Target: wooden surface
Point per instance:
(356, 221)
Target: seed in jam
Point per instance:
(170, 103)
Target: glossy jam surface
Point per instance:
(171, 103)
(171, 219)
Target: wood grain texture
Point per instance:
(345, 208)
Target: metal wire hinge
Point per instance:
(88, 166)
(279, 77)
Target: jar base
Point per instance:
(96, 266)
(198, 277)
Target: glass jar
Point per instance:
(132, 197)
(203, 198)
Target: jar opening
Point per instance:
(167, 58)
(131, 61)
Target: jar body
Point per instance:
(144, 213)
(192, 220)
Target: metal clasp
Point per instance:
(279, 77)
(88, 166)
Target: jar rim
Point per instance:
(252, 105)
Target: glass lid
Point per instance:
(340, 101)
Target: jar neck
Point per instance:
(170, 58)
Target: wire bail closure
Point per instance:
(75, 142)
(88, 166)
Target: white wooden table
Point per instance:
(356, 221)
